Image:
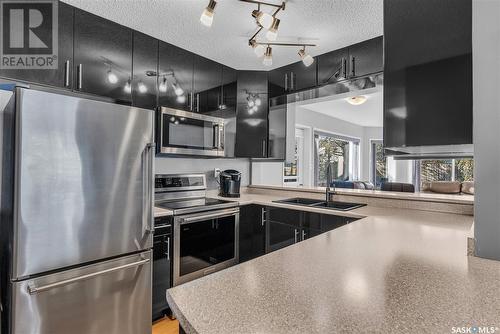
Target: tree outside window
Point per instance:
(340, 153)
(447, 170)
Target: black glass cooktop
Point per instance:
(195, 205)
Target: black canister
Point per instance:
(230, 180)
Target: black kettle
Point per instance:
(229, 181)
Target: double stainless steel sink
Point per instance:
(334, 205)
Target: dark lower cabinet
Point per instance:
(252, 232)
(283, 228)
(63, 75)
(145, 60)
(102, 56)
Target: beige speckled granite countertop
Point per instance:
(418, 196)
(395, 271)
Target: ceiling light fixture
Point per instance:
(272, 33)
(163, 87)
(207, 17)
(268, 57)
(306, 58)
(356, 100)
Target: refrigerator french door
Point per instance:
(77, 189)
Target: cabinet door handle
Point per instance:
(344, 68)
(79, 76)
(292, 81)
(264, 150)
(66, 73)
(191, 101)
(303, 235)
(296, 235)
(286, 82)
(198, 102)
(353, 66)
(168, 249)
(263, 216)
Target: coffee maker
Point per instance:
(229, 181)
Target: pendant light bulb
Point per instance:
(268, 58)
(163, 85)
(265, 20)
(112, 78)
(251, 103)
(272, 33)
(142, 88)
(181, 99)
(306, 58)
(207, 17)
(258, 102)
(128, 87)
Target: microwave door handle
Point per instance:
(216, 138)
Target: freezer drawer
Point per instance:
(112, 297)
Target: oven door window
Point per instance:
(189, 133)
(206, 243)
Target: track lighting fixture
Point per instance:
(112, 78)
(163, 85)
(306, 58)
(268, 57)
(272, 33)
(181, 99)
(207, 17)
(264, 20)
(128, 87)
(142, 87)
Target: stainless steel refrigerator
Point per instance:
(76, 214)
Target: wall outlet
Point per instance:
(216, 173)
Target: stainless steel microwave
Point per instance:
(188, 133)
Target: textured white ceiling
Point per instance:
(369, 113)
(331, 24)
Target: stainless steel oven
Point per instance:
(188, 133)
(205, 242)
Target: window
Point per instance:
(446, 170)
(380, 169)
(293, 171)
(341, 152)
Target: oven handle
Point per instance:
(193, 219)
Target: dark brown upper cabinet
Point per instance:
(366, 57)
(207, 81)
(292, 78)
(103, 56)
(145, 61)
(63, 75)
(332, 66)
(176, 65)
(229, 88)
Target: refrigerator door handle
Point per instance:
(148, 220)
(33, 290)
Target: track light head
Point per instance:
(268, 57)
(306, 58)
(142, 88)
(265, 20)
(128, 87)
(259, 49)
(207, 17)
(272, 33)
(177, 89)
(112, 78)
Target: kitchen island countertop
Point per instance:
(393, 271)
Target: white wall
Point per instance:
(206, 166)
(486, 79)
(267, 173)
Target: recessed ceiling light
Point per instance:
(356, 100)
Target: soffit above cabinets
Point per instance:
(331, 24)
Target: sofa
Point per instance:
(448, 187)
